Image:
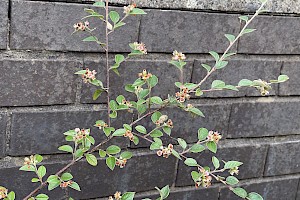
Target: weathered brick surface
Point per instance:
(142, 173)
(191, 32)
(195, 194)
(281, 29)
(32, 130)
(283, 189)
(283, 158)
(48, 26)
(253, 158)
(3, 120)
(37, 82)
(291, 87)
(3, 23)
(264, 119)
(236, 71)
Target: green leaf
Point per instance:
(176, 154)
(164, 192)
(254, 196)
(199, 92)
(119, 58)
(244, 18)
(127, 127)
(119, 24)
(156, 134)
(111, 162)
(155, 116)
(119, 132)
(182, 143)
(99, 4)
(283, 78)
(11, 196)
(228, 55)
(196, 111)
(217, 84)
(202, 134)
(66, 176)
(52, 178)
(128, 196)
(156, 144)
(153, 80)
(96, 82)
(176, 64)
(102, 153)
(156, 100)
(197, 148)
(81, 72)
(248, 30)
(35, 180)
(53, 184)
(245, 82)
(212, 146)
(66, 148)
(113, 105)
(114, 16)
(97, 94)
(221, 64)
(230, 37)
(113, 115)
(231, 180)
(126, 155)
(216, 162)
(137, 11)
(90, 39)
(78, 153)
(28, 168)
(191, 162)
(167, 130)
(38, 158)
(136, 140)
(42, 197)
(231, 87)
(195, 175)
(113, 149)
(42, 171)
(141, 129)
(240, 192)
(91, 159)
(215, 55)
(232, 164)
(207, 67)
(75, 186)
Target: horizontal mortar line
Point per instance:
(241, 12)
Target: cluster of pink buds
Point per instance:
(121, 162)
(3, 192)
(89, 75)
(129, 134)
(205, 179)
(178, 56)
(101, 125)
(183, 95)
(126, 103)
(145, 75)
(80, 134)
(214, 136)
(163, 120)
(140, 47)
(234, 170)
(117, 196)
(29, 161)
(81, 26)
(129, 8)
(66, 184)
(165, 151)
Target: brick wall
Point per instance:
(41, 98)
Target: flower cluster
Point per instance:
(126, 103)
(183, 95)
(81, 26)
(80, 134)
(263, 87)
(66, 184)
(165, 151)
(163, 120)
(101, 124)
(88, 75)
(29, 161)
(204, 180)
(129, 8)
(234, 170)
(214, 136)
(129, 134)
(140, 47)
(178, 56)
(3, 192)
(121, 162)
(117, 196)
(145, 75)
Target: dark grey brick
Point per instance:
(129, 70)
(283, 189)
(32, 130)
(191, 32)
(291, 87)
(37, 82)
(264, 119)
(195, 194)
(142, 173)
(48, 26)
(3, 23)
(3, 120)
(253, 158)
(237, 70)
(283, 159)
(283, 30)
